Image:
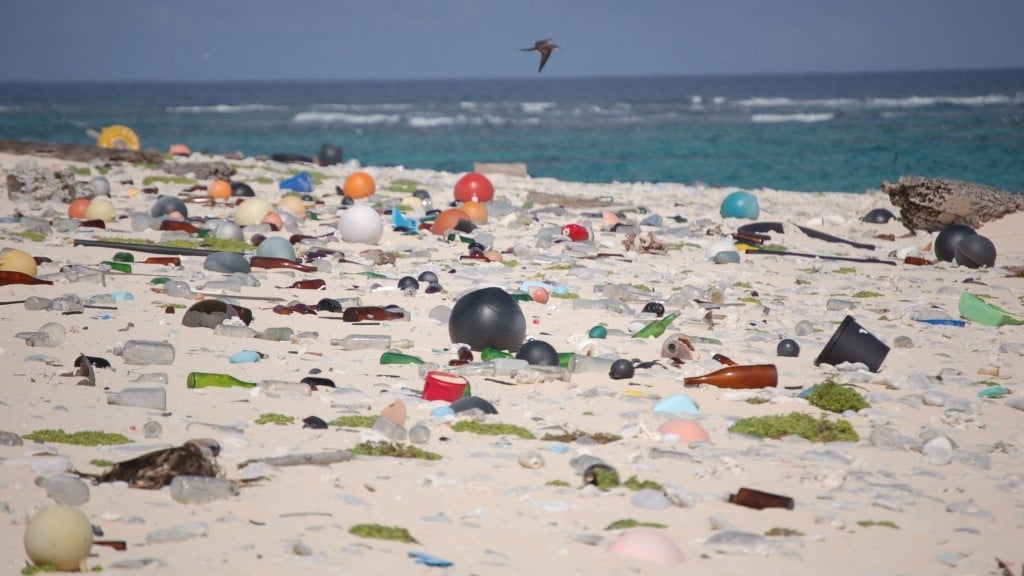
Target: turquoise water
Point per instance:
(812, 132)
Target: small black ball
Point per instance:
(428, 277)
(408, 283)
(538, 353)
(878, 216)
(975, 251)
(241, 189)
(946, 241)
(788, 347)
(656, 308)
(421, 194)
(621, 369)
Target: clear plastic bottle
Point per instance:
(363, 342)
(580, 363)
(145, 352)
(152, 398)
(201, 489)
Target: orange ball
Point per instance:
(219, 190)
(274, 219)
(359, 185)
(474, 185)
(78, 207)
(477, 212)
(447, 220)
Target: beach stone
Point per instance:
(650, 499)
(931, 204)
(65, 489)
(967, 508)
(178, 533)
(226, 262)
(937, 451)
(737, 542)
(10, 439)
(30, 182)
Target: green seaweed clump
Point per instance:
(870, 523)
(403, 185)
(101, 462)
(866, 294)
(802, 425)
(631, 523)
(381, 532)
(634, 483)
(780, 531)
(492, 429)
(160, 179)
(604, 477)
(83, 438)
(274, 418)
(757, 400)
(32, 235)
(834, 397)
(558, 483)
(393, 449)
(354, 421)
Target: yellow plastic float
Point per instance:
(119, 137)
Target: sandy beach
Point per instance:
(933, 485)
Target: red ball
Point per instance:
(576, 232)
(474, 184)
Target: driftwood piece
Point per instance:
(314, 459)
(79, 152)
(931, 204)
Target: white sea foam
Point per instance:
(224, 109)
(441, 121)
(345, 118)
(923, 101)
(536, 107)
(776, 118)
(382, 107)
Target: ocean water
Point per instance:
(809, 132)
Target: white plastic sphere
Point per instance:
(360, 224)
(58, 535)
(252, 211)
(101, 209)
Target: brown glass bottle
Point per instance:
(165, 260)
(178, 225)
(269, 262)
(760, 500)
(365, 313)
(8, 277)
(311, 284)
(750, 376)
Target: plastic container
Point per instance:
(146, 352)
(200, 489)
(444, 386)
(580, 363)
(363, 342)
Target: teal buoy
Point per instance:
(598, 332)
(740, 204)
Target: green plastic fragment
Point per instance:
(993, 392)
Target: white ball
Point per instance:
(360, 224)
(252, 211)
(58, 535)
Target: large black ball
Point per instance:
(487, 318)
(538, 353)
(975, 251)
(621, 369)
(788, 347)
(946, 241)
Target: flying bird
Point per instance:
(545, 48)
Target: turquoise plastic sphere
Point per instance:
(740, 204)
(276, 247)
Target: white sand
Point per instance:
(477, 507)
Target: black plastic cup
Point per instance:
(852, 343)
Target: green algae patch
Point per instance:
(757, 400)
(32, 235)
(381, 532)
(353, 421)
(635, 484)
(394, 450)
(867, 294)
(215, 244)
(82, 438)
(834, 397)
(870, 523)
(604, 477)
(558, 483)
(778, 531)
(276, 419)
(493, 429)
(159, 179)
(101, 462)
(597, 438)
(796, 423)
(403, 185)
(631, 523)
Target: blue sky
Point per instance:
(342, 39)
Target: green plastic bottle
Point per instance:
(119, 266)
(393, 357)
(214, 380)
(488, 354)
(657, 327)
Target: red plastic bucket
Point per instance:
(444, 386)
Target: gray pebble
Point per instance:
(737, 542)
(937, 451)
(650, 499)
(178, 533)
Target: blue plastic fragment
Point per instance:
(557, 448)
(944, 322)
(244, 356)
(429, 559)
(993, 392)
(442, 411)
(122, 296)
(807, 392)
(677, 404)
(401, 222)
(301, 182)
